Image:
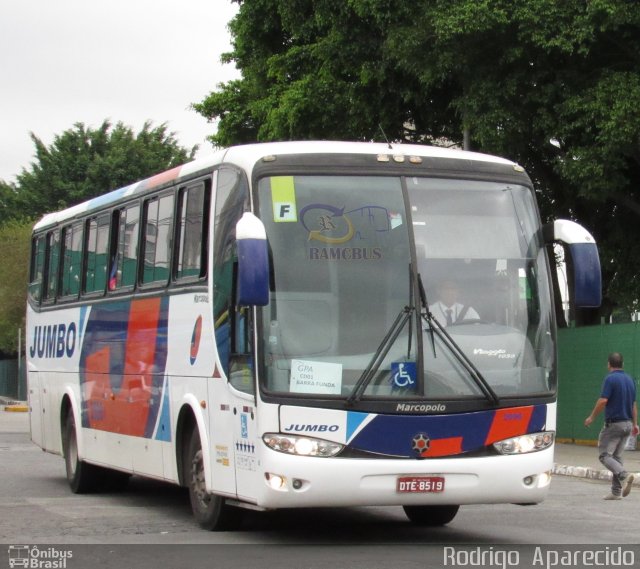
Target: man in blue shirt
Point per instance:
(618, 400)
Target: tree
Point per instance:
(15, 238)
(83, 163)
(8, 209)
(551, 85)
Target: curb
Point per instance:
(589, 473)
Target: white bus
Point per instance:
(305, 324)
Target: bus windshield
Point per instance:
(348, 255)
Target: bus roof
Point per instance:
(246, 156)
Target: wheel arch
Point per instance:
(69, 404)
(190, 418)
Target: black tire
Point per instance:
(431, 516)
(210, 510)
(82, 477)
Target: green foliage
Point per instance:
(15, 240)
(83, 163)
(514, 74)
(8, 209)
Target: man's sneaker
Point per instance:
(626, 484)
(612, 497)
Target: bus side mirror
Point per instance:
(253, 261)
(587, 276)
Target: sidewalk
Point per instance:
(582, 461)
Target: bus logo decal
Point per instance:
(334, 227)
(195, 340)
(420, 443)
(302, 428)
(53, 341)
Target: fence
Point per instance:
(582, 365)
(13, 379)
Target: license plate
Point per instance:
(420, 484)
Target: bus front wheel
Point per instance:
(82, 477)
(431, 515)
(210, 510)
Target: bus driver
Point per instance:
(447, 310)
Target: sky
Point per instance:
(69, 61)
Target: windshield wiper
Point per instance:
(435, 328)
(381, 353)
(387, 342)
(439, 330)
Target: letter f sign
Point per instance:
(283, 195)
(284, 211)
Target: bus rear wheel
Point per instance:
(431, 515)
(210, 510)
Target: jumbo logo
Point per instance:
(303, 428)
(54, 341)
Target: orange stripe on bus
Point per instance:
(509, 423)
(140, 356)
(443, 447)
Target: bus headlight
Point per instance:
(301, 446)
(525, 443)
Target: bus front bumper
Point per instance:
(291, 482)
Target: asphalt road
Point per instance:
(36, 507)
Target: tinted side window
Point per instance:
(123, 266)
(53, 264)
(97, 250)
(71, 260)
(158, 231)
(193, 221)
(37, 267)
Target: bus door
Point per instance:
(244, 428)
(234, 432)
(36, 410)
(233, 444)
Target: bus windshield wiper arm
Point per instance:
(380, 354)
(387, 342)
(458, 353)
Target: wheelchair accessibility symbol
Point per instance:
(403, 374)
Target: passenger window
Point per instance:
(97, 250)
(37, 267)
(71, 260)
(123, 264)
(157, 239)
(193, 222)
(53, 262)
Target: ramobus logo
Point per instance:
(420, 408)
(53, 341)
(310, 428)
